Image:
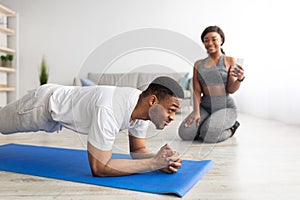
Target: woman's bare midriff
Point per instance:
(216, 90)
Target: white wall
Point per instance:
(264, 33)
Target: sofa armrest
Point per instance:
(76, 82)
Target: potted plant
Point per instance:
(9, 59)
(6, 60)
(43, 73)
(3, 60)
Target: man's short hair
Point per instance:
(162, 87)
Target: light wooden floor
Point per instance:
(261, 162)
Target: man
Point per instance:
(102, 112)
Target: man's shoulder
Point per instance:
(113, 87)
(128, 91)
(115, 95)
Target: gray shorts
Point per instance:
(30, 113)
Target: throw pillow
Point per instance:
(184, 82)
(86, 82)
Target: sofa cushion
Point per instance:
(117, 79)
(145, 79)
(139, 80)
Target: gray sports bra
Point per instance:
(212, 76)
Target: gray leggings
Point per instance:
(217, 115)
(30, 113)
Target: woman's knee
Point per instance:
(188, 133)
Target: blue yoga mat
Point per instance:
(72, 165)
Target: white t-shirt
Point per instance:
(99, 111)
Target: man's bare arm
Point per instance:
(102, 165)
(138, 149)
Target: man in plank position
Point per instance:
(101, 112)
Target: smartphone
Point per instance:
(240, 61)
(239, 64)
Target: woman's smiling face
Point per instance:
(212, 42)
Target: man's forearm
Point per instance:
(121, 167)
(141, 153)
(135, 155)
(133, 166)
(102, 165)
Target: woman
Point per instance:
(214, 112)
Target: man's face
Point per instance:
(163, 112)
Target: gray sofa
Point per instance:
(139, 80)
